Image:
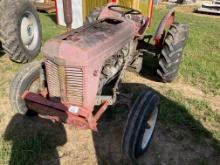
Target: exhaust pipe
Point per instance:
(67, 8)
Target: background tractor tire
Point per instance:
(171, 53)
(26, 79)
(140, 125)
(20, 30)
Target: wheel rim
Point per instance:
(35, 86)
(29, 31)
(148, 132)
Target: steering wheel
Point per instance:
(124, 10)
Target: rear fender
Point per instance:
(165, 24)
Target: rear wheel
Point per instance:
(140, 125)
(20, 30)
(28, 78)
(171, 53)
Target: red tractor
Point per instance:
(77, 65)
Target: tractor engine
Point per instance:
(114, 64)
(80, 62)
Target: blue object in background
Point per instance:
(156, 2)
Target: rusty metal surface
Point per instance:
(52, 79)
(165, 23)
(74, 85)
(101, 111)
(67, 9)
(59, 112)
(65, 83)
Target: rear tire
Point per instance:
(24, 80)
(20, 30)
(171, 53)
(140, 125)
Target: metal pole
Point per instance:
(67, 8)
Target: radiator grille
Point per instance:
(74, 84)
(65, 82)
(52, 79)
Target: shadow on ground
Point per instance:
(150, 64)
(34, 140)
(2, 53)
(150, 59)
(178, 139)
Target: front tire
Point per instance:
(26, 79)
(140, 125)
(20, 30)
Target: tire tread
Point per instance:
(8, 31)
(171, 53)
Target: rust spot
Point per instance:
(95, 73)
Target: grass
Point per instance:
(50, 28)
(200, 68)
(192, 115)
(25, 141)
(28, 150)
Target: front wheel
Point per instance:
(28, 78)
(140, 125)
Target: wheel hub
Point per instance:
(29, 31)
(150, 125)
